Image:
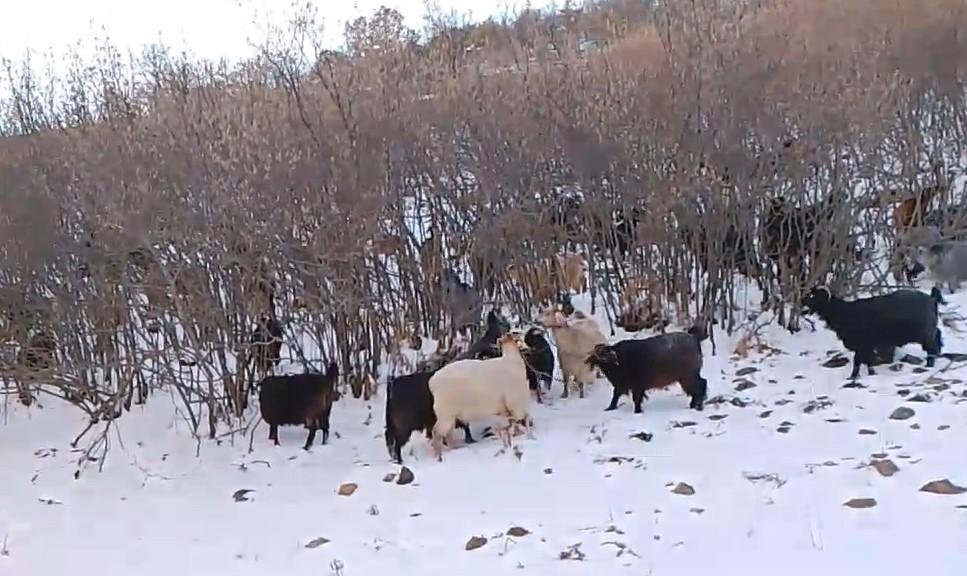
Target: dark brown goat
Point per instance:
(296, 399)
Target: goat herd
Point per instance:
(497, 374)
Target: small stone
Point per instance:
(317, 542)
(738, 402)
(896, 367)
(683, 424)
(717, 417)
(475, 542)
(783, 429)
(798, 377)
(643, 436)
(878, 455)
(518, 532)
(835, 420)
(944, 486)
(683, 489)
(696, 510)
(919, 398)
(548, 471)
(389, 477)
(943, 427)
(347, 489)
(914, 426)
(942, 387)
(911, 359)
(744, 385)
(867, 432)
(783, 402)
(904, 392)
(836, 362)
(406, 476)
(786, 423)
(885, 467)
(241, 495)
(765, 414)
(854, 384)
(902, 413)
(746, 371)
(861, 503)
(920, 370)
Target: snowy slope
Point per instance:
(765, 501)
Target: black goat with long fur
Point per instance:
(409, 407)
(869, 326)
(539, 359)
(486, 346)
(295, 399)
(652, 363)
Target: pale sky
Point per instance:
(209, 28)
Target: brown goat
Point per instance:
(910, 212)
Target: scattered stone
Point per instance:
(696, 510)
(738, 402)
(920, 370)
(518, 532)
(683, 489)
(941, 387)
(902, 413)
(406, 476)
(867, 432)
(783, 402)
(904, 392)
(783, 429)
(896, 367)
(911, 359)
(572, 553)
(798, 377)
(878, 455)
(643, 436)
(817, 404)
(860, 503)
(684, 424)
(416, 514)
(944, 486)
(389, 477)
(885, 467)
(786, 423)
(836, 362)
(920, 398)
(835, 420)
(854, 384)
(765, 414)
(717, 417)
(746, 371)
(347, 489)
(317, 542)
(241, 495)
(744, 384)
(914, 426)
(943, 427)
(548, 471)
(475, 542)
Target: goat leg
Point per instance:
(614, 401)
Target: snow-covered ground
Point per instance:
(771, 466)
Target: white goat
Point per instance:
(471, 389)
(576, 338)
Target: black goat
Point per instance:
(871, 326)
(296, 399)
(409, 407)
(486, 346)
(638, 365)
(539, 359)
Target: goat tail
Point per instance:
(937, 296)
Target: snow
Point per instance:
(164, 504)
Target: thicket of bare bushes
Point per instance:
(154, 209)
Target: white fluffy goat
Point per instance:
(471, 389)
(576, 338)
